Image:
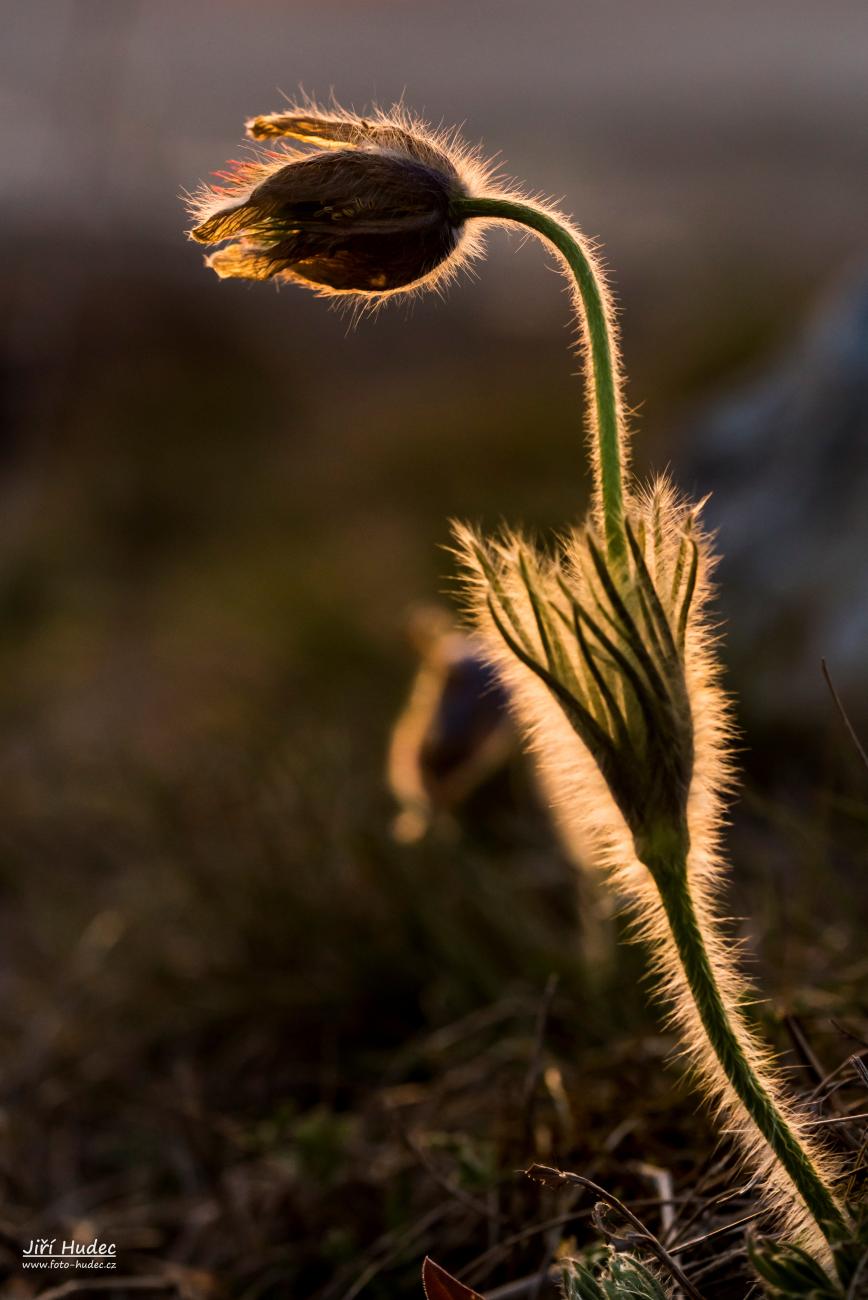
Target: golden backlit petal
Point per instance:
(336, 132)
(313, 130)
(222, 224)
(243, 262)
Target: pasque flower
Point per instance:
(603, 642)
(367, 208)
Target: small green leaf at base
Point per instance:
(620, 1276)
(787, 1270)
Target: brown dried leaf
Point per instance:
(440, 1285)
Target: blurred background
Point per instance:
(246, 1032)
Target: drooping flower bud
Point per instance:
(369, 212)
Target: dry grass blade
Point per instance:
(843, 713)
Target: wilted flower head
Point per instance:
(365, 209)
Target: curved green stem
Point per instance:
(749, 1087)
(603, 379)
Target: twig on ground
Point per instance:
(713, 1265)
(474, 1271)
(550, 1177)
(800, 1042)
(681, 1247)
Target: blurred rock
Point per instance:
(786, 460)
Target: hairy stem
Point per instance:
(749, 1087)
(603, 370)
